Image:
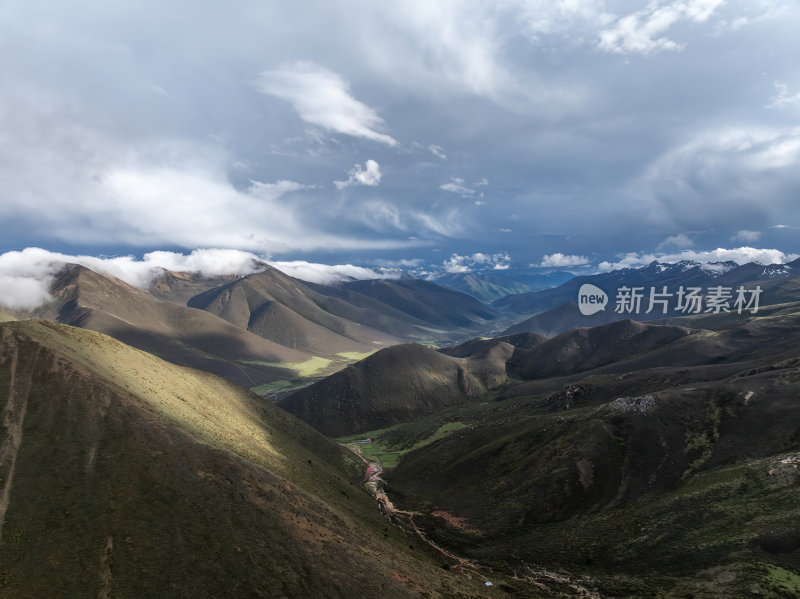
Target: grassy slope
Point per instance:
(126, 476)
(689, 490)
(393, 385)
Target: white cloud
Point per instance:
(740, 255)
(369, 175)
(784, 98)
(456, 185)
(273, 191)
(746, 236)
(478, 261)
(642, 31)
(326, 274)
(560, 260)
(26, 275)
(681, 240)
(321, 97)
(71, 183)
(438, 151)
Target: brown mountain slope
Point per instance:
(282, 309)
(340, 301)
(426, 301)
(126, 476)
(181, 335)
(180, 287)
(5, 315)
(394, 385)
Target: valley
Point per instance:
(627, 459)
(476, 299)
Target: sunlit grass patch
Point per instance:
(273, 386)
(388, 455)
(782, 581)
(355, 355)
(303, 369)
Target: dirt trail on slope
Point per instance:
(404, 519)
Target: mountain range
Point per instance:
(417, 452)
(494, 285)
(555, 310)
(262, 328)
(645, 459)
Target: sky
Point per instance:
(459, 135)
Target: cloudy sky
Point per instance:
(554, 133)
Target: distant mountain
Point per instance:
(483, 286)
(353, 316)
(6, 315)
(491, 286)
(680, 273)
(125, 476)
(538, 282)
(370, 312)
(283, 309)
(556, 310)
(394, 385)
(425, 300)
(181, 335)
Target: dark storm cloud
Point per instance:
(480, 127)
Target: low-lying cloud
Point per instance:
(561, 260)
(327, 274)
(478, 261)
(26, 276)
(740, 255)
